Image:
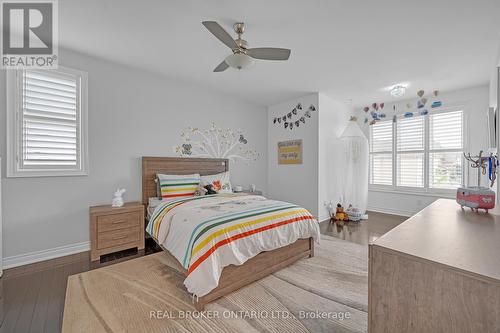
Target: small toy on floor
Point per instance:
(353, 213)
(340, 215)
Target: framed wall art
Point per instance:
(290, 152)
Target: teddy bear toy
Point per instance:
(340, 215)
(210, 189)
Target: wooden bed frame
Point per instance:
(233, 277)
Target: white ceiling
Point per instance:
(345, 49)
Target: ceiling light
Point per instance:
(398, 91)
(239, 61)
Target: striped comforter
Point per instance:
(208, 233)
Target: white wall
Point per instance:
(297, 183)
(494, 87)
(333, 118)
(474, 102)
(131, 114)
(317, 179)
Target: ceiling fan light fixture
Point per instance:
(239, 61)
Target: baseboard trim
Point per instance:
(323, 218)
(391, 211)
(32, 257)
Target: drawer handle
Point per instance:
(121, 237)
(118, 222)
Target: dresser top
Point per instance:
(108, 209)
(446, 234)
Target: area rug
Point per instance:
(326, 293)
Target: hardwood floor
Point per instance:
(33, 295)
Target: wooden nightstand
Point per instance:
(116, 229)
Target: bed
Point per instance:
(209, 279)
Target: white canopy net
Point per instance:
(355, 180)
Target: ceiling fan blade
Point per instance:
(221, 67)
(269, 53)
(220, 33)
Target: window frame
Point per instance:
(14, 130)
(425, 190)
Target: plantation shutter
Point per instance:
(445, 150)
(410, 152)
(381, 153)
(50, 120)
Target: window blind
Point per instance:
(446, 130)
(410, 170)
(50, 120)
(381, 142)
(410, 134)
(446, 147)
(410, 152)
(445, 170)
(381, 169)
(427, 152)
(381, 137)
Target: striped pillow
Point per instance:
(178, 186)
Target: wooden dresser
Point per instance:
(116, 229)
(439, 271)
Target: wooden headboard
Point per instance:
(176, 166)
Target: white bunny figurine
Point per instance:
(118, 200)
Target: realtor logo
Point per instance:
(29, 34)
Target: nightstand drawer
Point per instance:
(118, 221)
(118, 237)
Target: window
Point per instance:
(445, 150)
(421, 153)
(47, 123)
(381, 153)
(410, 152)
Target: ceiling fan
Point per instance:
(242, 56)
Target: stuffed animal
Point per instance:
(200, 191)
(118, 199)
(340, 215)
(210, 189)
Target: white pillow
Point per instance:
(220, 182)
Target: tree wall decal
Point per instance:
(216, 142)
